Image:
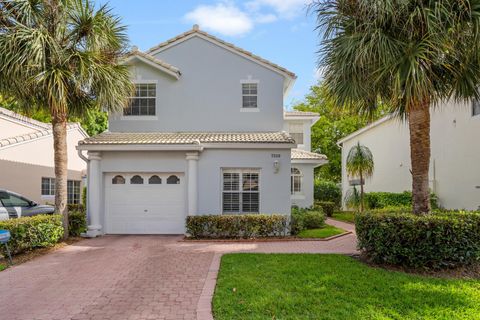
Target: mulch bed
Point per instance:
(29, 255)
(270, 239)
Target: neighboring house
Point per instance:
(26, 158)
(455, 155)
(205, 133)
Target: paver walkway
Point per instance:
(131, 277)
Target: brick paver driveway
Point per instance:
(128, 277)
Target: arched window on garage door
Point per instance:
(136, 179)
(173, 179)
(118, 180)
(155, 180)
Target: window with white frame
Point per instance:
(249, 95)
(296, 181)
(475, 107)
(73, 192)
(296, 131)
(73, 189)
(241, 191)
(48, 186)
(143, 102)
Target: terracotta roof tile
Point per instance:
(299, 154)
(154, 60)
(300, 114)
(116, 138)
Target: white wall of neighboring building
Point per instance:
(455, 155)
(11, 128)
(40, 151)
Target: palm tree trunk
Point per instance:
(361, 192)
(59, 123)
(419, 125)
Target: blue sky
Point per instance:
(277, 30)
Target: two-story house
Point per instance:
(205, 133)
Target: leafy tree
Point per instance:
(360, 164)
(410, 54)
(62, 57)
(334, 124)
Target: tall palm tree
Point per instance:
(360, 164)
(62, 56)
(408, 54)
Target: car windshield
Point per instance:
(10, 200)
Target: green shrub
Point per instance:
(327, 191)
(328, 207)
(302, 219)
(378, 200)
(77, 223)
(76, 207)
(236, 226)
(439, 240)
(313, 219)
(28, 233)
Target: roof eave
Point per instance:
(315, 162)
(128, 60)
(366, 128)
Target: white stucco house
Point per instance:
(455, 155)
(26, 158)
(205, 133)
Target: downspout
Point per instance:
(80, 154)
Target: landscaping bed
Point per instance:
(314, 286)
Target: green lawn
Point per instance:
(346, 216)
(313, 286)
(324, 232)
(3, 267)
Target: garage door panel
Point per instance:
(145, 208)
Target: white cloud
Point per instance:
(284, 8)
(224, 18)
(266, 18)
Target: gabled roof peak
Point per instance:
(207, 36)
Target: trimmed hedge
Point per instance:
(32, 232)
(302, 219)
(327, 191)
(236, 226)
(379, 200)
(434, 241)
(328, 207)
(77, 223)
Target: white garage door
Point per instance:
(145, 203)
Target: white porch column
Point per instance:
(94, 194)
(192, 188)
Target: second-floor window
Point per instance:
(143, 102)
(249, 95)
(296, 131)
(475, 108)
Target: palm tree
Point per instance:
(410, 55)
(62, 56)
(360, 164)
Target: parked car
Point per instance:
(14, 205)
